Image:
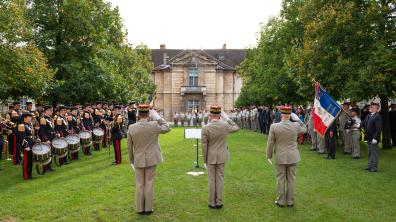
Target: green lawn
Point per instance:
(93, 190)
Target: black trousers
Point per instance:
(330, 144)
(27, 165)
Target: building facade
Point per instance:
(189, 80)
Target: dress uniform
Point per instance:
(47, 131)
(131, 112)
(116, 134)
(311, 130)
(74, 122)
(87, 124)
(27, 138)
(372, 125)
(215, 152)
(14, 116)
(145, 154)
(61, 128)
(343, 119)
(282, 141)
(353, 128)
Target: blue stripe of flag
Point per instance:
(327, 102)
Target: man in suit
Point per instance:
(282, 141)
(372, 125)
(215, 152)
(145, 154)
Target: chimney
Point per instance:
(224, 46)
(162, 46)
(165, 58)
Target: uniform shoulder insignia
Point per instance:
(21, 128)
(43, 121)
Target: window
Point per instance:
(193, 76)
(192, 105)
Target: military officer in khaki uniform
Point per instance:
(342, 120)
(282, 141)
(145, 154)
(215, 153)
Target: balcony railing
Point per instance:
(193, 90)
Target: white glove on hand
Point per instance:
(133, 167)
(295, 118)
(269, 161)
(154, 115)
(224, 116)
(205, 166)
(374, 141)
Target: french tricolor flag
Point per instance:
(325, 111)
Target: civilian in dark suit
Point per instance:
(372, 125)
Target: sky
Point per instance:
(195, 24)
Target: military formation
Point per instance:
(48, 135)
(54, 135)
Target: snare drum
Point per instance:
(73, 141)
(85, 137)
(60, 146)
(41, 153)
(98, 134)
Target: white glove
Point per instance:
(374, 141)
(295, 118)
(224, 116)
(133, 167)
(269, 161)
(205, 166)
(154, 115)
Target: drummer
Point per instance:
(28, 140)
(61, 129)
(87, 124)
(97, 118)
(116, 134)
(74, 124)
(47, 130)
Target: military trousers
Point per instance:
(285, 180)
(355, 136)
(216, 183)
(144, 188)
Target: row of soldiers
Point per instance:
(190, 118)
(25, 128)
(254, 118)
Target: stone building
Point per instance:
(190, 80)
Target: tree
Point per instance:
(23, 67)
(85, 42)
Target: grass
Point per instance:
(92, 190)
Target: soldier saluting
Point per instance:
(283, 141)
(145, 154)
(215, 153)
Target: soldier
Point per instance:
(189, 119)
(28, 140)
(215, 153)
(87, 124)
(320, 144)
(311, 129)
(98, 122)
(131, 112)
(74, 123)
(283, 141)
(392, 120)
(182, 119)
(206, 117)
(353, 128)
(372, 125)
(343, 119)
(145, 154)
(47, 131)
(116, 134)
(14, 116)
(62, 129)
(176, 119)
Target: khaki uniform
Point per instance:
(345, 136)
(145, 154)
(215, 155)
(282, 141)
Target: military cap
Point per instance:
(215, 109)
(16, 103)
(143, 108)
(285, 109)
(47, 107)
(26, 114)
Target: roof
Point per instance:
(228, 58)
